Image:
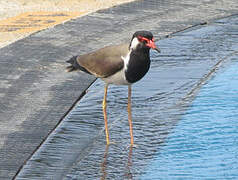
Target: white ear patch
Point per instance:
(134, 43)
(126, 59)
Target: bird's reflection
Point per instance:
(104, 164)
(128, 166)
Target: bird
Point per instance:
(122, 64)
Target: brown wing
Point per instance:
(104, 62)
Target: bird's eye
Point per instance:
(143, 39)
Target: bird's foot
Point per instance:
(111, 143)
(133, 146)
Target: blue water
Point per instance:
(204, 144)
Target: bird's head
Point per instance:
(143, 39)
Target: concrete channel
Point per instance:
(36, 93)
(190, 60)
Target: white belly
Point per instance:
(117, 79)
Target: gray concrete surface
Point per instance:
(36, 92)
(189, 60)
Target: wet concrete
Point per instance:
(36, 92)
(77, 150)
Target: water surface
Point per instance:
(205, 141)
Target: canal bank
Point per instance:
(172, 120)
(36, 93)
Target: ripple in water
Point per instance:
(205, 141)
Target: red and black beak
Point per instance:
(151, 43)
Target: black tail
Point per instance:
(75, 66)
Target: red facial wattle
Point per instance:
(150, 43)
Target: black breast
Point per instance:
(138, 66)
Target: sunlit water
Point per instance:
(174, 138)
(204, 143)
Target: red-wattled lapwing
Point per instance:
(122, 64)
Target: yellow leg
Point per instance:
(104, 106)
(129, 114)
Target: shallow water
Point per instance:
(205, 141)
(160, 104)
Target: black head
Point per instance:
(143, 40)
(146, 34)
